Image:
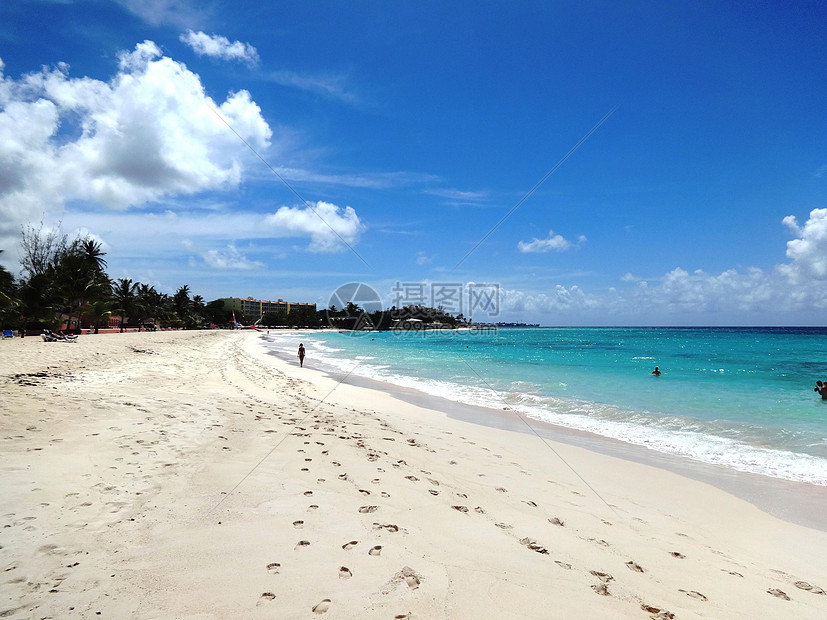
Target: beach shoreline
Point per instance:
(796, 502)
(195, 475)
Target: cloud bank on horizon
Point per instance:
(152, 165)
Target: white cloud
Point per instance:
(792, 291)
(147, 134)
(553, 242)
(559, 299)
(217, 46)
(332, 86)
(228, 258)
(423, 259)
(328, 226)
(809, 251)
(379, 180)
(181, 13)
(459, 197)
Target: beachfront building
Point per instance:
(257, 308)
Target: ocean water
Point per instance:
(738, 397)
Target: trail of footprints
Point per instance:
(328, 425)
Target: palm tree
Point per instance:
(92, 253)
(96, 312)
(123, 294)
(181, 302)
(8, 296)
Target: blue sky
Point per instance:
(405, 132)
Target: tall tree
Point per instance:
(79, 275)
(123, 294)
(8, 297)
(39, 250)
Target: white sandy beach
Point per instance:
(193, 475)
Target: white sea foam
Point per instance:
(686, 437)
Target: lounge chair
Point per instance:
(7, 333)
(49, 336)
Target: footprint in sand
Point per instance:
(266, 597)
(312, 507)
(460, 508)
(556, 521)
(504, 526)
(308, 493)
(803, 585)
(634, 566)
(677, 554)
(412, 478)
(433, 491)
(350, 545)
(375, 550)
(344, 573)
(779, 594)
(565, 565)
(383, 494)
(298, 524)
(364, 491)
(302, 543)
(367, 509)
(534, 545)
(693, 594)
(601, 589)
(322, 607)
(273, 568)
(657, 614)
(604, 577)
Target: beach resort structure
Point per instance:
(259, 307)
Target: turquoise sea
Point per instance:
(738, 397)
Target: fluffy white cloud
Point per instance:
(330, 228)
(553, 242)
(217, 46)
(228, 258)
(147, 134)
(559, 300)
(809, 251)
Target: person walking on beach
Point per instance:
(301, 355)
(821, 388)
(656, 372)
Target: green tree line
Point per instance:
(65, 281)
